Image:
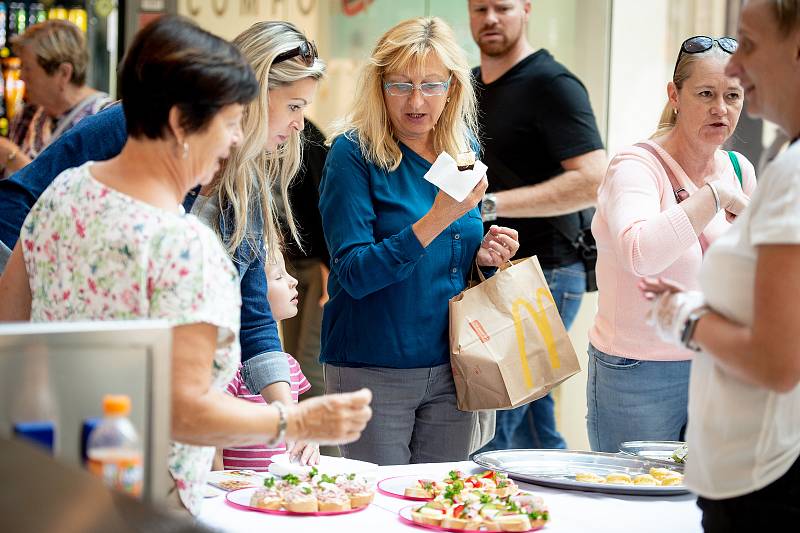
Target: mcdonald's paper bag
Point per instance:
(508, 345)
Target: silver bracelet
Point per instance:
(281, 425)
(716, 195)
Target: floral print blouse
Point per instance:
(93, 253)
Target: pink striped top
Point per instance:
(257, 457)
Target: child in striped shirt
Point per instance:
(282, 296)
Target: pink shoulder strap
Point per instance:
(681, 194)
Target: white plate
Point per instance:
(327, 465)
(228, 480)
(396, 487)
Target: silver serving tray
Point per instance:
(557, 468)
(652, 449)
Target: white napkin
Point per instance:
(444, 174)
(281, 465)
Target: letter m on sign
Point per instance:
(248, 7)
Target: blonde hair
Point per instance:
(251, 174)
(54, 42)
(683, 70)
(405, 48)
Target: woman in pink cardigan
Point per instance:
(659, 206)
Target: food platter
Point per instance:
(240, 499)
(651, 449)
(405, 516)
(558, 468)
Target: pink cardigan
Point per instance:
(642, 231)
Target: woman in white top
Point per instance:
(744, 398)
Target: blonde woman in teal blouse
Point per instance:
(400, 249)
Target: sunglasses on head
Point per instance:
(307, 52)
(701, 43)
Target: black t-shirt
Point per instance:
(531, 118)
(304, 199)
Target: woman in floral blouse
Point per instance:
(109, 240)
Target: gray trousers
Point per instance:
(414, 415)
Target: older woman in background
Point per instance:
(54, 67)
(110, 240)
(660, 205)
(400, 248)
(744, 397)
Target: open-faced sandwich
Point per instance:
(314, 492)
(424, 488)
(490, 482)
(471, 508)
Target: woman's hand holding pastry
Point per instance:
(452, 210)
(498, 246)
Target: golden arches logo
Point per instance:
(539, 317)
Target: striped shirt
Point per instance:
(257, 457)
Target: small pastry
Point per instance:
(465, 160)
(513, 522)
(660, 473)
(300, 498)
(358, 489)
(463, 516)
(331, 497)
(589, 477)
(423, 488)
(645, 479)
(618, 478)
(432, 514)
(674, 479)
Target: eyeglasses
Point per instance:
(307, 51)
(700, 43)
(431, 88)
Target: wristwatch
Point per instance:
(489, 207)
(687, 337)
(282, 424)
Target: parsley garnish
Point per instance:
(306, 490)
(291, 479)
(269, 482)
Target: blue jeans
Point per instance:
(534, 425)
(630, 399)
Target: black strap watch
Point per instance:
(687, 337)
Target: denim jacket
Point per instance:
(100, 137)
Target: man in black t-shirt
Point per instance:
(546, 160)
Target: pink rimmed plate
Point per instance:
(240, 499)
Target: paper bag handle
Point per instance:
(480, 272)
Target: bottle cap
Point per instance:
(116, 404)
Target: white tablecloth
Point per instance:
(569, 511)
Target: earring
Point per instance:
(675, 110)
(185, 150)
(448, 100)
